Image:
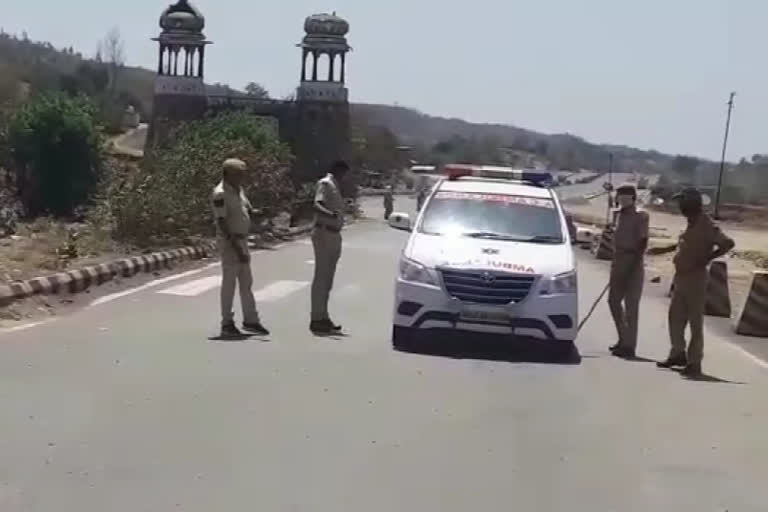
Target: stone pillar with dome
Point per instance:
(180, 92)
(323, 128)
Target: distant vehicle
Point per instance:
(490, 252)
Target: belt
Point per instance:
(326, 227)
(238, 236)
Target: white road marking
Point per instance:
(744, 352)
(193, 288)
(156, 282)
(24, 327)
(278, 290)
(310, 262)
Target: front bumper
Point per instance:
(544, 317)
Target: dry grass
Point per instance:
(45, 246)
(758, 258)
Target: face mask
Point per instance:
(625, 201)
(688, 209)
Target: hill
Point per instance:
(433, 138)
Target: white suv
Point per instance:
(490, 252)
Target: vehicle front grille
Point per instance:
(487, 287)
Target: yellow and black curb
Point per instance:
(75, 281)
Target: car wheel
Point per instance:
(566, 351)
(401, 338)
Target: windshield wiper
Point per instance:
(490, 235)
(545, 239)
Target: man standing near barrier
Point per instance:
(326, 240)
(627, 270)
(700, 243)
(389, 202)
(232, 212)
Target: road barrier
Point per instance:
(604, 245)
(718, 295)
(753, 319)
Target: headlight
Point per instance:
(560, 284)
(415, 272)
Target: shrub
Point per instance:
(167, 199)
(56, 145)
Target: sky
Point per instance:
(653, 74)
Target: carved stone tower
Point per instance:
(180, 93)
(323, 127)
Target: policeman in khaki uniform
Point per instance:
(326, 241)
(232, 210)
(700, 243)
(627, 270)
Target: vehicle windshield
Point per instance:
(493, 216)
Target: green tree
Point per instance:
(256, 91)
(56, 145)
(685, 166)
(167, 199)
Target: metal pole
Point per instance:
(722, 159)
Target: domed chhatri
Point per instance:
(182, 17)
(326, 25)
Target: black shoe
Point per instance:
(624, 353)
(334, 327)
(691, 370)
(673, 361)
(323, 327)
(256, 328)
(614, 348)
(230, 331)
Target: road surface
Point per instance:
(128, 406)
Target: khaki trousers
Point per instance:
(327, 246)
(689, 298)
(625, 292)
(233, 272)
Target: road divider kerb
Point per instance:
(79, 280)
(718, 294)
(753, 317)
(604, 245)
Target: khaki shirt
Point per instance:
(231, 205)
(631, 230)
(329, 193)
(696, 244)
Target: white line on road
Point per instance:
(278, 290)
(156, 282)
(193, 288)
(744, 352)
(310, 262)
(24, 327)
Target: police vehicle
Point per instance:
(490, 252)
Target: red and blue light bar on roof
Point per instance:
(537, 178)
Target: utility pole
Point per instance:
(722, 159)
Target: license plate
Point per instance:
(484, 315)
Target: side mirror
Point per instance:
(400, 221)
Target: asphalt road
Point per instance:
(127, 406)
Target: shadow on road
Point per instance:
(708, 378)
(238, 339)
(495, 348)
